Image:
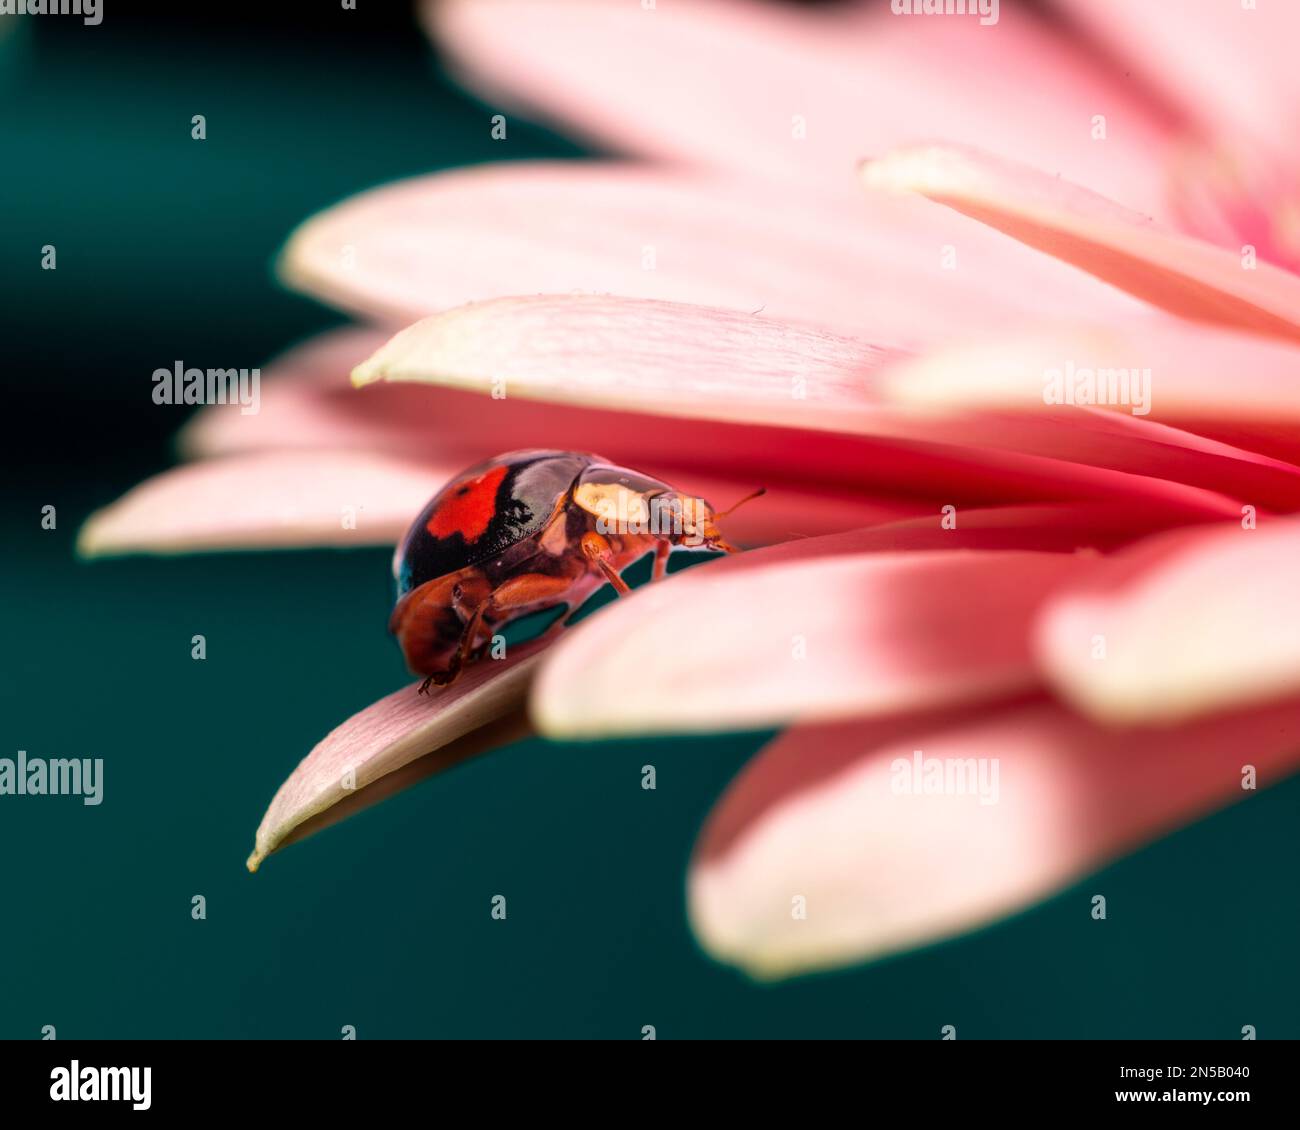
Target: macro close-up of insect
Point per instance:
(525, 532)
(652, 519)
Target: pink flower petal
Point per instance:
(1189, 368)
(1232, 66)
(669, 357)
(1047, 527)
(878, 269)
(1184, 625)
(370, 753)
(1180, 274)
(795, 95)
(680, 360)
(305, 402)
(819, 816)
(1161, 372)
(270, 500)
(815, 638)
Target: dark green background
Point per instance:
(164, 248)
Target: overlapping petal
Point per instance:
(304, 403)
(1235, 389)
(798, 95)
(1180, 626)
(829, 848)
(1200, 376)
(1230, 65)
(675, 360)
(880, 268)
(809, 639)
(1178, 273)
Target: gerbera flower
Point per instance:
(998, 550)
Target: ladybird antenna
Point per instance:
(737, 505)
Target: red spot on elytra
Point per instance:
(469, 508)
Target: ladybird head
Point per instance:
(699, 525)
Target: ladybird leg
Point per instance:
(462, 599)
(519, 593)
(467, 638)
(596, 549)
(662, 550)
(472, 629)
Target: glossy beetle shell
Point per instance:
(518, 534)
(484, 511)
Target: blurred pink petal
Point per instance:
(385, 739)
(1235, 387)
(809, 639)
(1187, 624)
(1231, 66)
(796, 95)
(875, 267)
(1242, 200)
(1195, 404)
(270, 500)
(1200, 375)
(1231, 69)
(294, 411)
(817, 816)
(1178, 273)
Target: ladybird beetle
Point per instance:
(524, 532)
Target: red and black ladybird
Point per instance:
(524, 532)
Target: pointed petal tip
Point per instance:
(367, 373)
(264, 500)
(104, 534)
(1178, 629)
(90, 544)
(392, 744)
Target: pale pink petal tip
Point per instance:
(836, 846)
(1180, 627)
(266, 500)
(378, 744)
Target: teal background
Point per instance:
(382, 922)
